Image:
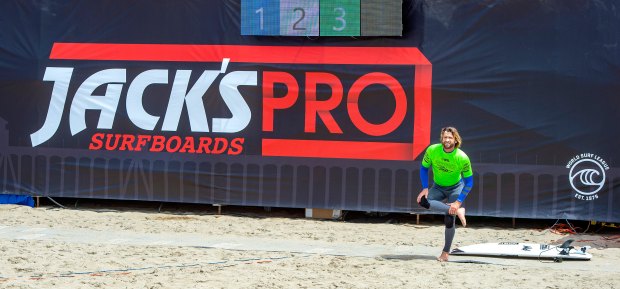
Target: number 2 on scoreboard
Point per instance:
(302, 15)
(299, 17)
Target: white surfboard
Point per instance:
(525, 250)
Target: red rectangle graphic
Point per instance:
(289, 55)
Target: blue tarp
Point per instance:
(17, 200)
(169, 101)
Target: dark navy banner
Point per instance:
(162, 101)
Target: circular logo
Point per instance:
(587, 176)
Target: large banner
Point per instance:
(170, 101)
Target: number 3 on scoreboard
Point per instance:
(340, 17)
(340, 11)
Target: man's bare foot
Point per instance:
(461, 214)
(443, 257)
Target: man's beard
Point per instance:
(448, 146)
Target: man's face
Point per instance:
(447, 140)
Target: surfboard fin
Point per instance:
(566, 247)
(566, 244)
(456, 250)
(584, 249)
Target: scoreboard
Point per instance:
(321, 17)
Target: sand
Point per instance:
(32, 262)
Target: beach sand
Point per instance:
(31, 261)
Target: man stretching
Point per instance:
(453, 179)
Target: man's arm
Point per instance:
(468, 176)
(469, 183)
(424, 176)
(424, 179)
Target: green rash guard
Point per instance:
(447, 167)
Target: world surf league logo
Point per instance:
(587, 175)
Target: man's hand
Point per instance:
(423, 193)
(454, 207)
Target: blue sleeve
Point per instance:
(424, 176)
(469, 183)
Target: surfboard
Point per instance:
(525, 250)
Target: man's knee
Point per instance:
(424, 203)
(449, 221)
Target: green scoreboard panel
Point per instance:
(321, 17)
(340, 17)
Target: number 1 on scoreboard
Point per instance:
(260, 17)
